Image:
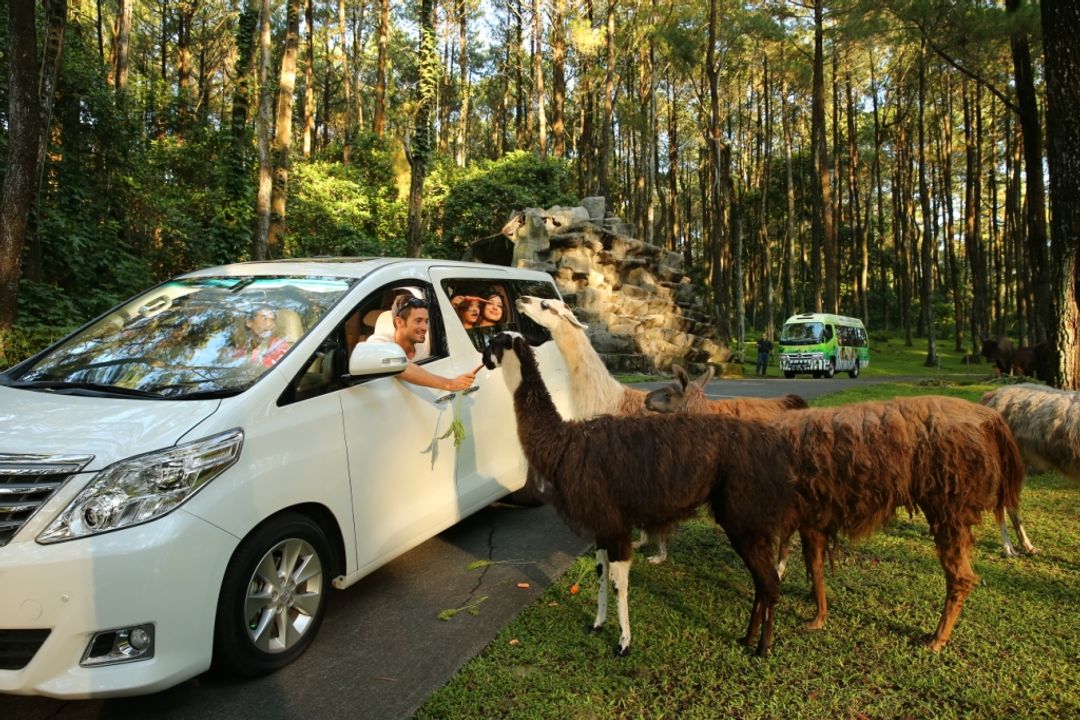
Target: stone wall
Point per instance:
(643, 312)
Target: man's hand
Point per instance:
(463, 381)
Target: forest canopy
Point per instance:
(880, 159)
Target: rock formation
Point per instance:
(643, 312)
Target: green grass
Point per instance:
(1012, 654)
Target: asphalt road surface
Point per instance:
(382, 649)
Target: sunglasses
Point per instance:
(413, 302)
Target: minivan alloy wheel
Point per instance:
(284, 595)
(273, 595)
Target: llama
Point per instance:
(685, 395)
(1046, 424)
(857, 464)
(595, 392)
(610, 474)
(821, 471)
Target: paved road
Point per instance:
(382, 649)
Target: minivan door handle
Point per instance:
(444, 398)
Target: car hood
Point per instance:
(110, 429)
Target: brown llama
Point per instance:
(1046, 424)
(610, 474)
(857, 464)
(594, 391)
(686, 395)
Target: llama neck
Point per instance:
(593, 391)
(532, 401)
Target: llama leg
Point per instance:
(601, 594)
(813, 548)
(954, 549)
(782, 556)
(661, 549)
(1021, 533)
(1006, 544)
(620, 578)
(642, 541)
(757, 552)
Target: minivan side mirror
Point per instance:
(376, 359)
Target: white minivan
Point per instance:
(184, 479)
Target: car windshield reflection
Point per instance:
(189, 338)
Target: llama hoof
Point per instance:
(656, 559)
(1031, 550)
(762, 650)
(1008, 552)
(594, 629)
(934, 645)
(621, 651)
(814, 624)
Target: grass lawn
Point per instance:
(1012, 653)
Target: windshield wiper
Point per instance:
(161, 390)
(93, 387)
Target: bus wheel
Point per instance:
(854, 372)
(789, 374)
(831, 370)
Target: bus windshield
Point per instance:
(809, 333)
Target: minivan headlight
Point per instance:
(144, 488)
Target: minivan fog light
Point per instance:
(123, 645)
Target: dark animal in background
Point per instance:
(1028, 361)
(610, 474)
(999, 351)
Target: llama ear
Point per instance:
(680, 375)
(568, 315)
(706, 376)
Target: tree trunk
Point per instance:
(283, 129)
(420, 149)
(309, 82)
(1061, 48)
(346, 81)
(928, 238)
(558, 77)
(246, 33)
(1035, 208)
(604, 159)
(378, 121)
(538, 79)
(122, 43)
(24, 136)
(822, 203)
(260, 243)
(463, 83)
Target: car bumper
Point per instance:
(166, 572)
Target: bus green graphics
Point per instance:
(822, 345)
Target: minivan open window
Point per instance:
(188, 338)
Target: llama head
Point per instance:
(547, 312)
(680, 393)
(496, 349)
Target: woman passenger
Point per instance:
(493, 311)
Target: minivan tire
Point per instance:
(294, 546)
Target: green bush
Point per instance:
(480, 198)
(20, 342)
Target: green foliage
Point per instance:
(338, 209)
(480, 199)
(22, 341)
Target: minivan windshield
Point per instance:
(810, 333)
(188, 338)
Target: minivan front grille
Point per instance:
(27, 481)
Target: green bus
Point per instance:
(822, 345)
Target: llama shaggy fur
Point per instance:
(594, 392)
(686, 395)
(610, 474)
(857, 464)
(1046, 424)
